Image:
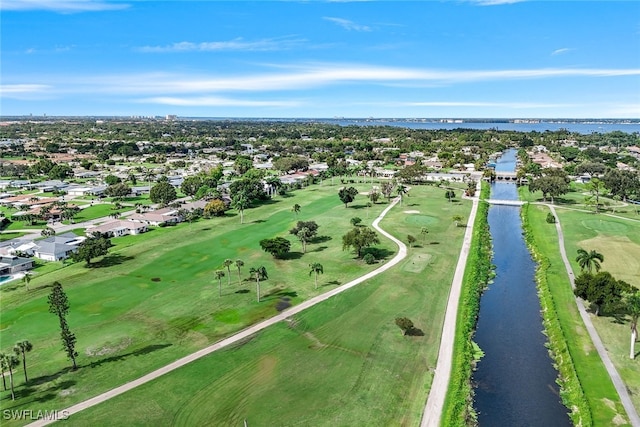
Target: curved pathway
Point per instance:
(402, 253)
(597, 342)
(439, 385)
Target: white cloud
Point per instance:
(495, 2)
(235, 44)
(482, 104)
(62, 6)
(210, 101)
(560, 51)
(301, 77)
(22, 88)
(347, 24)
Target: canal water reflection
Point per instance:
(515, 380)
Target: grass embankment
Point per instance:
(602, 402)
(458, 408)
(570, 388)
(154, 300)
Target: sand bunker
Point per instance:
(411, 212)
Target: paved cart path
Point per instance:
(437, 394)
(402, 253)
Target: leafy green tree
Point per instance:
(374, 196)
(21, 349)
(405, 324)
(622, 183)
(631, 302)
(219, 275)
(239, 265)
(242, 165)
(118, 191)
(293, 163)
(602, 290)
(92, 247)
(358, 239)
(553, 183)
(9, 363)
(191, 184)
(163, 193)
(278, 246)
(387, 189)
(589, 260)
(347, 195)
(316, 269)
(355, 221)
(112, 180)
(305, 231)
(260, 273)
(3, 369)
(59, 305)
(411, 240)
(60, 172)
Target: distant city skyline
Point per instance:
(449, 59)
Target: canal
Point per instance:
(515, 380)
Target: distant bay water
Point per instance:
(578, 126)
(542, 126)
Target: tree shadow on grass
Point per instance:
(291, 255)
(320, 239)
(258, 221)
(242, 291)
(332, 283)
(320, 249)
(414, 332)
(378, 253)
(140, 352)
(110, 261)
(46, 395)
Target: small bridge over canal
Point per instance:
(505, 202)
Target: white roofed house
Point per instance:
(118, 228)
(56, 248)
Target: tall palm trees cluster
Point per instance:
(9, 362)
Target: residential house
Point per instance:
(118, 228)
(11, 264)
(56, 248)
(159, 217)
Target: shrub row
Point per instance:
(458, 408)
(571, 390)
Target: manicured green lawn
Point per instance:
(579, 227)
(343, 362)
(158, 301)
(8, 235)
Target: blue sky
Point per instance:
(485, 58)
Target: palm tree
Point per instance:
(10, 361)
(219, 275)
(316, 268)
(26, 279)
(227, 263)
(296, 209)
(258, 273)
(401, 190)
(2, 371)
(424, 231)
(632, 302)
(589, 260)
(21, 349)
(240, 202)
(239, 264)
